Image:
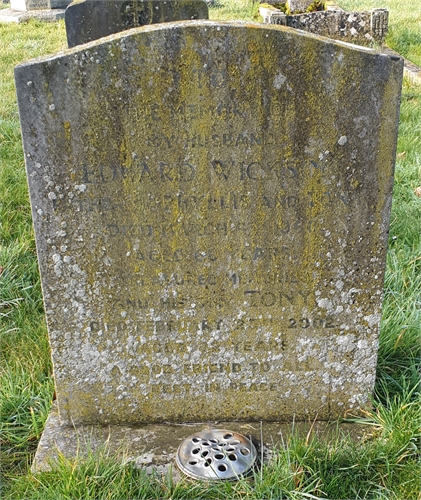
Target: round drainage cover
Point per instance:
(215, 455)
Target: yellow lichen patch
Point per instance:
(316, 6)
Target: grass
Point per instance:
(385, 465)
(226, 10)
(26, 386)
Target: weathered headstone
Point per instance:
(27, 5)
(296, 6)
(43, 10)
(362, 28)
(88, 20)
(211, 205)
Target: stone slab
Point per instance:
(295, 6)
(154, 447)
(362, 28)
(17, 16)
(88, 20)
(211, 204)
(38, 5)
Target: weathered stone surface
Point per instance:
(18, 16)
(153, 447)
(44, 10)
(410, 70)
(298, 5)
(88, 20)
(29, 5)
(362, 28)
(211, 206)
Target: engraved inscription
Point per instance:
(134, 13)
(266, 298)
(310, 322)
(223, 169)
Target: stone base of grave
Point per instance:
(18, 16)
(154, 447)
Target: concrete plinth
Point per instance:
(154, 447)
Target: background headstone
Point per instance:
(361, 28)
(298, 5)
(88, 20)
(28, 5)
(44, 10)
(211, 206)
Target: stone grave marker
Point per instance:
(44, 10)
(295, 6)
(361, 28)
(88, 20)
(211, 206)
(29, 5)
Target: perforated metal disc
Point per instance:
(216, 454)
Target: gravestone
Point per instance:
(296, 6)
(211, 206)
(29, 5)
(88, 20)
(44, 10)
(361, 28)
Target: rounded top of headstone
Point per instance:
(88, 20)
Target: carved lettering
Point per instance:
(103, 173)
(269, 298)
(305, 323)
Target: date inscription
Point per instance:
(305, 323)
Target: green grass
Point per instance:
(300, 469)
(385, 465)
(26, 386)
(226, 10)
